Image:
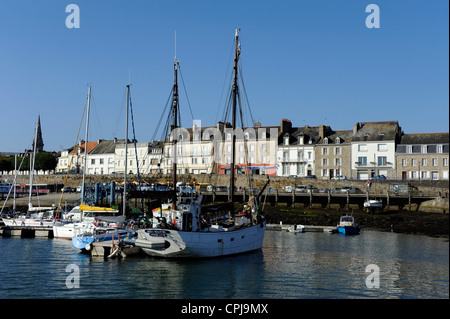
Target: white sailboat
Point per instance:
(84, 219)
(35, 216)
(182, 230)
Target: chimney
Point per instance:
(286, 126)
(258, 124)
(322, 131)
(356, 127)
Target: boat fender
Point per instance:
(88, 247)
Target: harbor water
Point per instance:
(294, 266)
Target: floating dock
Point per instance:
(308, 228)
(26, 232)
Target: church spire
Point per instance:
(39, 142)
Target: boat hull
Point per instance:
(181, 244)
(348, 230)
(80, 242)
(28, 222)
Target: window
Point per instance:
(338, 140)
(404, 162)
(424, 149)
(413, 162)
(445, 162)
(246, 136)
(337, 162)
(101, 161)
(205, 150)
(286, 141)
(264, 159)
(434, 162)
(382, 147)
(424, 162)
(194, 150)
(301, 140)
(325, 151)
(362, 161)
(324, 172)
(229, 137)
(382, 160)
(434, 175)
(409, 149)
(440, 149)
(300, 170)
(263, 148)
(337, 151)
(286, 156)
(92, 161)
(194, 160)
(300, 156)
(204, 160)
(362, 147)
(325, 140)
(241, 159)
(309, 155)
(324, 161)
(285, 170)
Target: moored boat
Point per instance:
(348, 226)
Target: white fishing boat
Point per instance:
(296, 229)
(373, 203)
(186, 233)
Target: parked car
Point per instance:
(67, 189)
(379, 177)
(348, 189)
(338, 178)
(311, 176)
(302, 189)
(324, 190)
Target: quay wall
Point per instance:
(439, 188)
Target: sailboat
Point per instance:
(85, 219)
(41, 217)
(183, 231)
(110, 227)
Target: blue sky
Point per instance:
(313, 62)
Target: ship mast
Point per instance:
(233, 124)
(174, 111)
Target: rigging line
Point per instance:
(185, 92)
(121, 111)
(13, 185)
(162, 115)
(71, 160)
(98, 126)
(225, 80)
(245, 93)
(134, 141)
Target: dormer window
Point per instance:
(325, 140)
(301, 140)
(338, 140)
(286, 141)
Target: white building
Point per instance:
(101, 159)
(373, 149)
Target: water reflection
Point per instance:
(304, 265)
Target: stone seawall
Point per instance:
(433, 188)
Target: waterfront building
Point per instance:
(373, 149)
(333, 153)
(296, 153)
(155, 158)
(73, 158)
(255, 147)
(102, 157)
(423, 156)
(137, 157)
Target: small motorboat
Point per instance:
(296, 229)
(348, 226)
(373, 203)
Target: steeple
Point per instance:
(39, 141)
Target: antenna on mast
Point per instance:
(175, 45)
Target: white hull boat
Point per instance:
(202, 244)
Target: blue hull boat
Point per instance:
(81, 241)
(348, 226)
